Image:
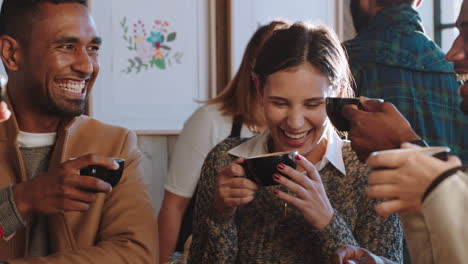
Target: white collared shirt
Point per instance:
(259, 146)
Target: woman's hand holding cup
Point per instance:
(310, 197)
(233, 189)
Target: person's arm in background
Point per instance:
(199, 135)
(381, 126)
(169, 221)
(4, 112)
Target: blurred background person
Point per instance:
(392, 58)
(233, 113)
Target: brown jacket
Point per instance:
(119, 227)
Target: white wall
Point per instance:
(248, 15)
(449, 14)
(426, 11)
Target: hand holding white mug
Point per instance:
(404, 179)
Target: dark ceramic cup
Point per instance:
(260, 169)
(334, 106)
(110, 176)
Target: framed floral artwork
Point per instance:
(154, 63)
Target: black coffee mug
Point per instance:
(334, 106)
(260, 169)
(110, 176)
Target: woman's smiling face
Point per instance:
(294, 104)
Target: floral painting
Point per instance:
(151, 45)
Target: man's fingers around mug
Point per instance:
(91, 159)
(454, 161)
(383, 176)
(371, 105)
(73, 205)
(78, 194)
(387, 160)
(386, 208)
(408, 145)
(89, 183)
(383, 191)
(351, 112)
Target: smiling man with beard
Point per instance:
(49, 213)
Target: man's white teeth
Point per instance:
(72, 87)
(462, 77)
(296, 136)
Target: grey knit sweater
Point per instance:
(260, 233)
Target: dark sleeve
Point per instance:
(214, 236)
(443, 177)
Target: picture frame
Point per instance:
(155, 63)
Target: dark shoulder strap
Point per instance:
(236, 126)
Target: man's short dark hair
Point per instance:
(394, 2)
(16, 16)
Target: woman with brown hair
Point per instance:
(238, 221)
(235, 112)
